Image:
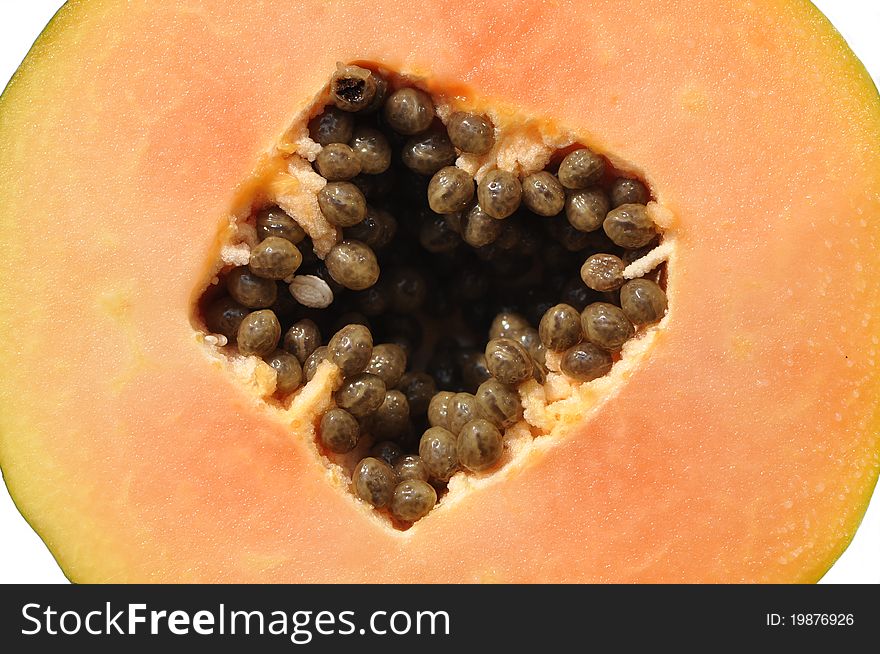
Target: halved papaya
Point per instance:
(735, 440)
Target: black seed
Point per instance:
(603, 272)
(586, 209)
(391, 419)
(351, 348)
(427, 153)
(372, 149)
(376, 230)
(275, 258)
(450, 189)
(411, 466)
(342, 204)
(388, 362)
(462, 408)
(499, 193)
(543, 194)
(224, 315)
(585, 362)
(606, 325)
(643, 301)
(507, 324)
(437, 448)
(413, 499)
(508, 361)
(361, 394)
(339, 431)
(629, 226)
(438, 409)
(581, 168)
(479, 445)
(310, 367)
(259, 333)
(419, 388)
(250, 290)
(436, 236)
(373, 301)
(337, 162)
(374, 482)
(471, 132)
(332, 126)
(407, 288)
(353, 264)
(274, 221)
(560, 328)
(628, 191)
(288, 371)
(498, 403)
(386, 451)
(409, 111)
(302, 339)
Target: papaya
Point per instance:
(373, 291)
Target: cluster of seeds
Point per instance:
(443, 295)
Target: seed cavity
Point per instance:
(453, 282)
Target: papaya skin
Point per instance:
(741, 446)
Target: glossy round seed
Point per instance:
(606, 325)
(351, 349)
(643, 301)
(274, 221)
(499, 404)
(302, 339)
(506, 325)
(437, 448)
(361, 394)
(411, 466)
(388, 362)
(581, 168)
(224, 315)
(372, 150)
(436, 236)
(373, 301)
(337, 162)
(560, 328)
(573, 240)
(288, 371)
(585, 362)
(275, 258)
(471, 132)
(543, 194)
(342, 204)
(586, 209)
(603, 272)
(419, 388)
(474, 370)
(508, 361)
(374, 482)
(413, 499)
(408, 289)
(427, 153)
(352, 88)
(478, 228)
(409, 111)
(376, 230)
(479, 445)
(259, 333)
(391, 419)
(353, 265)
(332, 126)
(339, 431)
(628, 191)
(386, 451)
(499, 193)
(450, 189)
(249, 290)
(462, 408)
(310, 366)
(438, 409)
(629, 226)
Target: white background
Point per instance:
(24, 558)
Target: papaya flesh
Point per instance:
(737, 442)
